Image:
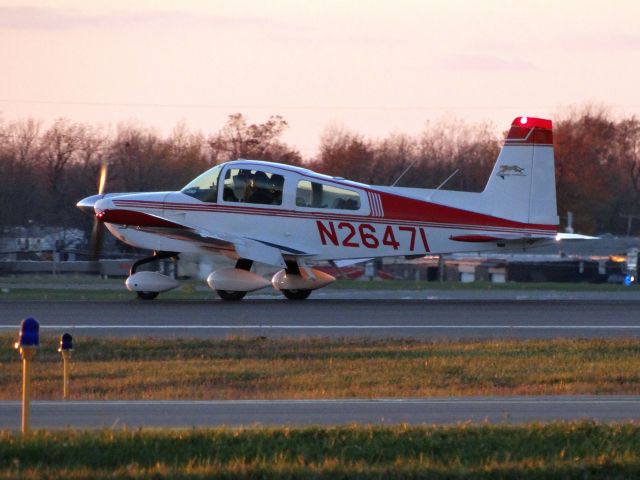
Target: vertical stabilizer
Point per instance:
(522, 184)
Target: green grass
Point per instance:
(263, 368)
(48, 294)
(15, 288)
(423, 285)
(579, 450)
(59, 279)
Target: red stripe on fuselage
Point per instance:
(475, 238)
(397, 210)
(418, 210)
(134, 218)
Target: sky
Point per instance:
(373, 67)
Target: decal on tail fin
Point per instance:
(522, 184)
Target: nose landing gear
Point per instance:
(148, 285)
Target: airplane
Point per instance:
(292, 218)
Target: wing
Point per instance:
(224, 243)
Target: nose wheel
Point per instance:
(147, 295)
(153, 283)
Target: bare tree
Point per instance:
(392, 157)
(345, 154)
(258, 141)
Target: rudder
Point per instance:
(522, 184)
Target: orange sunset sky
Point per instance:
(375, 67)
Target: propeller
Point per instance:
(97, 232)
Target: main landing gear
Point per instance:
(236, 295)
(295, 293)
(295, 283)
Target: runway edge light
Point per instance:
(27, 344)
(66, 342)
(65, 348)
(29, 334)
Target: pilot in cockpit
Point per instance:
(241, 185)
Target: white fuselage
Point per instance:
(388, 222)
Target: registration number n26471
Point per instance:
(347, 234)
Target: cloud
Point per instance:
(39, 18)
(484, 62)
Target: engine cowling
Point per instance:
(236, 279)
(284, 281)
(150, 282)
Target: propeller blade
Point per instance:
(97, 232)
(102, 179)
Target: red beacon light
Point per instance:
(532, 122)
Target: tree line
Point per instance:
(45, 171)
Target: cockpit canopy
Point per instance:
(263, 183)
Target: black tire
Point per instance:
(231, 295)
(296, 294)
(147, 295)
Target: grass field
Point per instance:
(555, 451)
(262, 368)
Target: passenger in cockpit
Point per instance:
(277, 184)
(260, 189)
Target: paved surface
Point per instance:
(50, 414)
(374, 314)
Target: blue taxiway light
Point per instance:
(29, 333)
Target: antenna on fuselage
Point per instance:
(444, 183)
(447, 179)
(439, 186)
(405, 171)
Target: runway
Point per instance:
(454, 315)
(96, 414)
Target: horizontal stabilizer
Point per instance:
(574, 236)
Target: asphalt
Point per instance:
(450, 314)
(504, 410)
(453, 315)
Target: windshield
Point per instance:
(205, 187)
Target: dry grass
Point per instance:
(262, 368)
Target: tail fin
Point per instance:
(522, 185)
